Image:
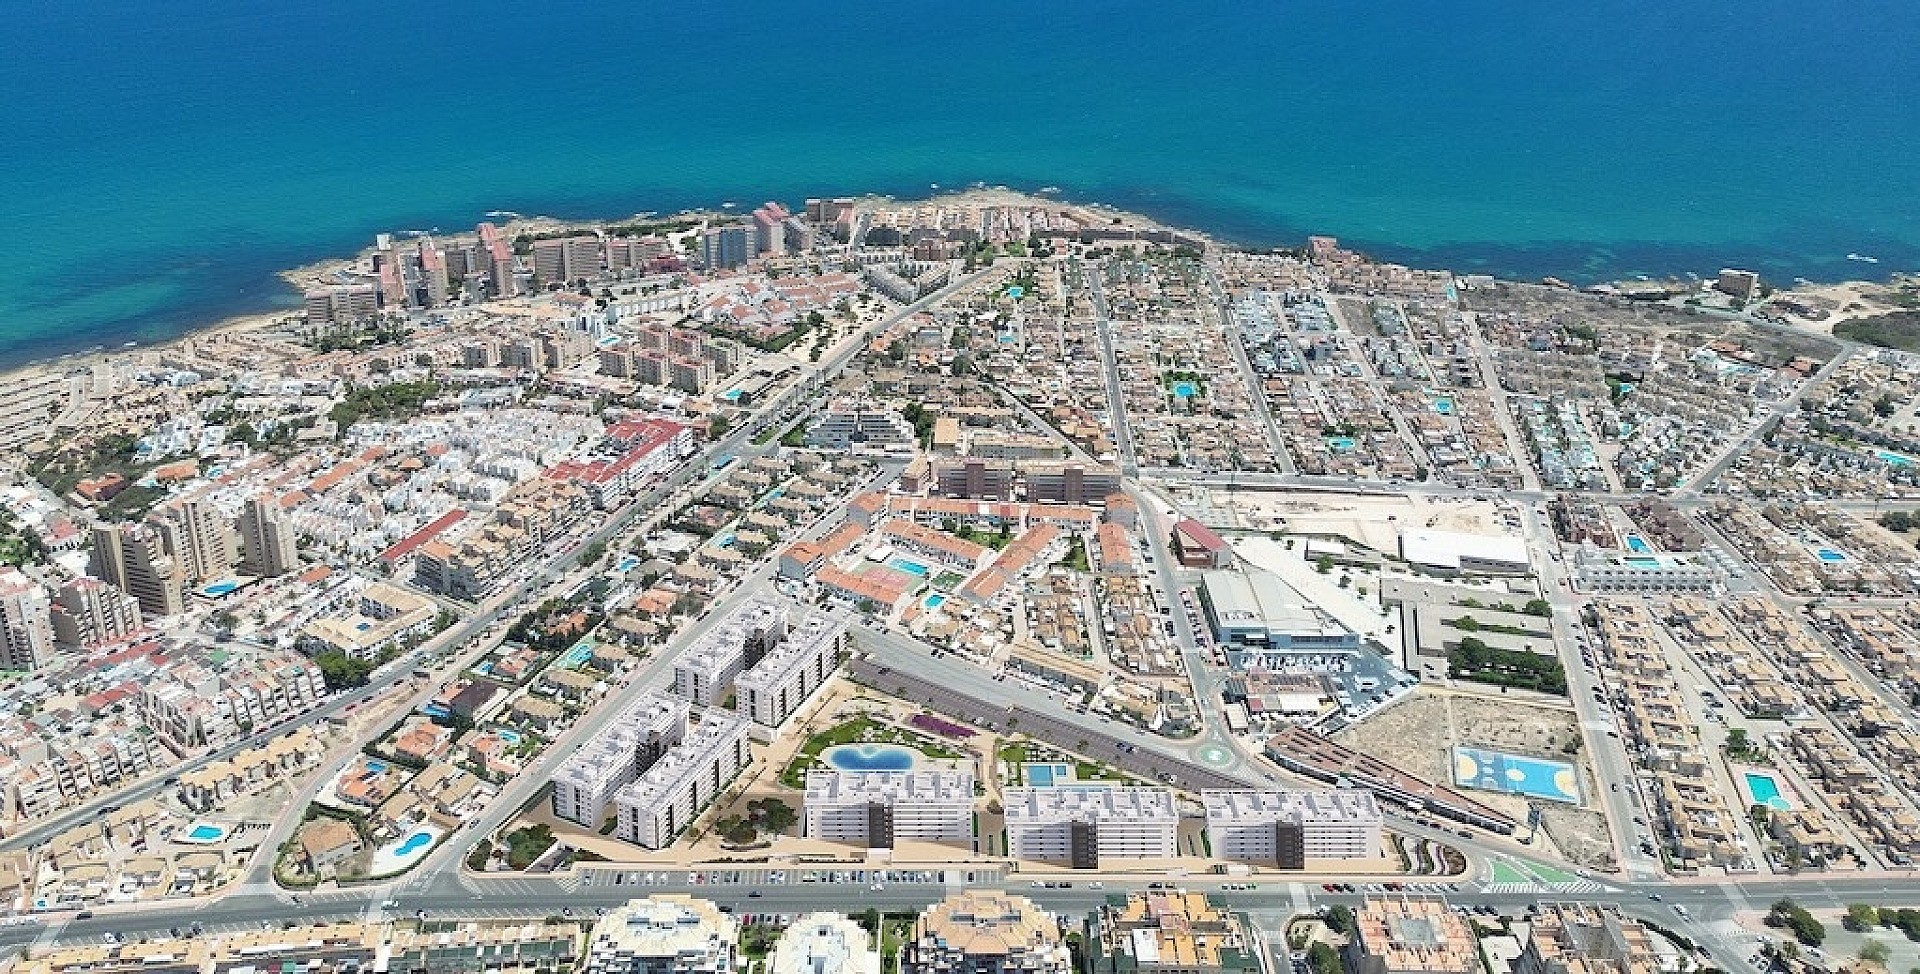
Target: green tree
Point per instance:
(1538, 607)
(1323, 565)
(1322, 959)
(1873, 951)
(340, 671)
(1340, 919)
(1860, 916)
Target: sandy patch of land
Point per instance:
(1371, 520)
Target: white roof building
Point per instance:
(825, 943)
(1453, 551)
(668, 933)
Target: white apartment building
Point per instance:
(26, 623)
(704, 673)
(1084, 826)
(880, 808)
(1287, 828)
(1600, 570)
(772, 689)
(668, 796)
(667, 933)
(625, 747)
(825, 943)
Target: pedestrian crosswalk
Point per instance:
(1576, 886)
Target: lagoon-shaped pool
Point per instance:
(871, 757)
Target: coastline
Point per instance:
(1848, 297)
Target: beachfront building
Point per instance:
(1287, 828)
(625, 747)
(878, 809)
(667, 933)
(986, 932)
(1084, 827)
(670, 794)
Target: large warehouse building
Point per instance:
(1256, 610)
(1450, 551)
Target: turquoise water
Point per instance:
(1637, 543)
(218, 589)
(1894, 459)
(1184, 390)
(935, 600)
(1830, 556)
(626, 564)
(577, 656)
(1443, 406)
(1766, 791)
(1642, 561)
(414, 843)
(164, 159)
(1340, 444)
(871, 757)
(206, 833)
(909, 566)
(1015, 291)
(1047, 775)
(377, 767)
(507, 735)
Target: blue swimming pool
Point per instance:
(414, 843)
(1185, 390)
(1766, 791)
(1340, 444)
(909, 566)
(1831, 556)
(377, 767)
(1894, 459)
(871, 757)
(1048, 774)
(1443, 406)
(508, 735)
(627, 564)
(1638, 544)
(577, 656)
(206, 833)
(934, 600)
(220, 588)
(1015, 291)
(1642, 561)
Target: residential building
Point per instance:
(725, 248)
(26, 627)
(132, 559)
(770, 690)
(342, 304)
(266, 539)
(625, 747)
(986, 932)
(483, 948)
(1069, 483)
(668, 796)
(1650, 573)
(1084, 826)
(88, 612)
(667, 933)
(1288, 828)
(1411, 935)
(704, 673)
(847, 423)
(879, 809)
(200, 538)
(383, 616)
(825, 943)
(1582, 938)
(1174, 932)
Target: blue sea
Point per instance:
(158, 161)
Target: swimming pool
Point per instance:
(223, 587)
(627, 564)
(871, 757)
(1765, 791)
(934, 600)
(909, 566)
(1830, 556)
(507, 734)
(1642, 561)
(1638, 544)
(1515, 774)
(1894, 459)
(1048, 774)
(405, 853)
(203, 833)
(377, 767)
(416, 841)
(1443, 406)
(1015, 291)
(483, 667)
(1185, 390)
(577, 656)
(1340, 444)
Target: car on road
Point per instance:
(753, 893)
